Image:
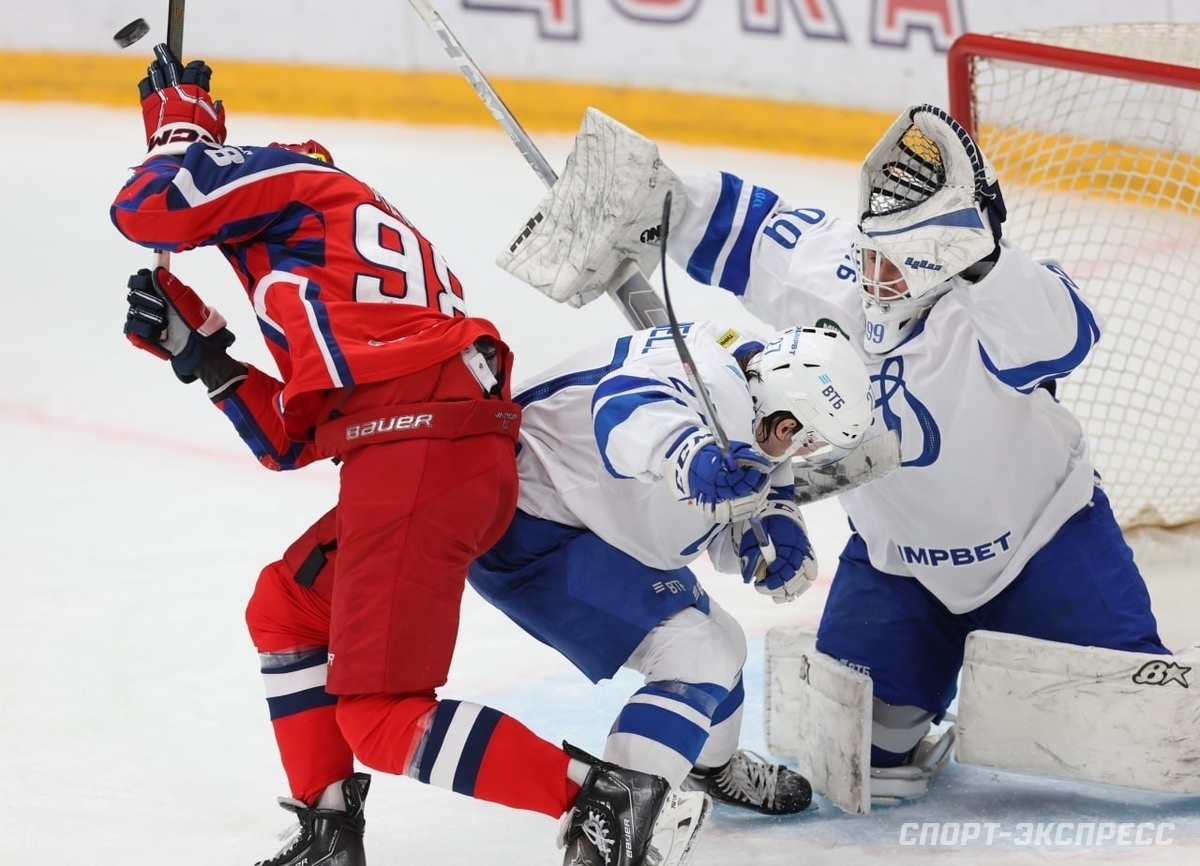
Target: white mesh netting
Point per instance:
(1103, 173)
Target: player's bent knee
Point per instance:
(267, 628)
(384, 731)
(693, 647)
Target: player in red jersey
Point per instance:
(383, 370)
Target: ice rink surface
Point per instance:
(132, 724)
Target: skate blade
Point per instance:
(679, 823)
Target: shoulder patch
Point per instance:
(728, 338)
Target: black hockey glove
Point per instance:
(168, 320)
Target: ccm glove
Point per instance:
(176, 107)
(726, 487)
(794, 567)
(168, 320)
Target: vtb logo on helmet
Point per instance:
(817, 377)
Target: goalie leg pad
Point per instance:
(819, 712)
(604, 210)
(1099, 715)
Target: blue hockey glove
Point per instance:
(726, 487)
(794, 567)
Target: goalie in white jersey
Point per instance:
(995, 519)
(623, 485)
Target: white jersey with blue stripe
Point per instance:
(597, 427)
(992, 466)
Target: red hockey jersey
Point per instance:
(346, 290)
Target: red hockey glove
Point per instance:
(168, 320)
(176, 107)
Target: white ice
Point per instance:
(132, 722)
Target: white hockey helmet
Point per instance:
(817, 377)
(929, 208)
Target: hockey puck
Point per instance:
(131, 33)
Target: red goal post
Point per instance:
(1095, 135)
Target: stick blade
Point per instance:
(131, 33)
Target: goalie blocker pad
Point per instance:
(1099, 715)
(873, 459)
(604, 210)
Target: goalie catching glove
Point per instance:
(789, 575)
(168, 320)
(604, 210)
(726, 487)
(176, 107)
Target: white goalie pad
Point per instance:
(819, 712)
(603, 211)
(1098, 715)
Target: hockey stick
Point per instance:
(162, 258)
(629, 287)
(871, 460)
(689, 368)
(175, 28)
(630, 290)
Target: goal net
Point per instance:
(1095, 135)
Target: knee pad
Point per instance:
(693, 647)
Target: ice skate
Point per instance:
(749, 781)
(626, 818)
(326, 837)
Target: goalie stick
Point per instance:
(633, 293)
(629, 288)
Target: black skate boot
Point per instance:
(327, 837)
(747, 780)
(626, 818)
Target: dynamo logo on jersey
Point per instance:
(898, 406)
